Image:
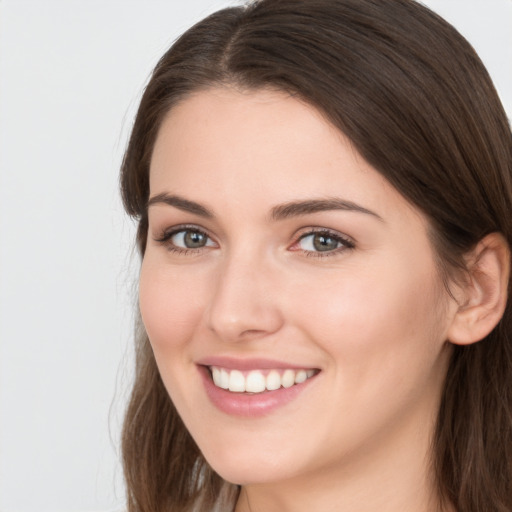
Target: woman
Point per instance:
(323, 192)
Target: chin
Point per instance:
(249, 474)
(257, 466)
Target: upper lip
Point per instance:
(233, 363)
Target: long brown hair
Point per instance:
(417, 103)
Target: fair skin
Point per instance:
(349, 292)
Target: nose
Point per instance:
(245, 300)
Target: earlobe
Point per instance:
(484, 294)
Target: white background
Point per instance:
(71, 74)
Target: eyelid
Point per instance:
(166, 235)
(346, 241)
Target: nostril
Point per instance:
(242, 307)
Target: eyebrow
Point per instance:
(181, 203)
(297, 208)
(279, 212)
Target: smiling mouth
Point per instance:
(258, 381)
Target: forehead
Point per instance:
(260, 148)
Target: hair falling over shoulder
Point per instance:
(417, 103)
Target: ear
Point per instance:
(483, 296)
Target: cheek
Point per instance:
(369, 321)
(384, 341)
(170, 306)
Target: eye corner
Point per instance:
(323, 242)
(185, 239)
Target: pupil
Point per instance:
(324, 243)
(193, 239)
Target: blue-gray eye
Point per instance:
(190, 239)
(320, 242)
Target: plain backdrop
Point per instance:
(71, 74)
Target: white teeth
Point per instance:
(236, 381)
(255, 381)
(300, 376)
(288, 378)
(216, 376)
(273, 380)
(224, 379)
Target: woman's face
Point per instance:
(280, 262)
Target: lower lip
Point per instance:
(247, 404)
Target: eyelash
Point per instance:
(165, 239)
(346, 243)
